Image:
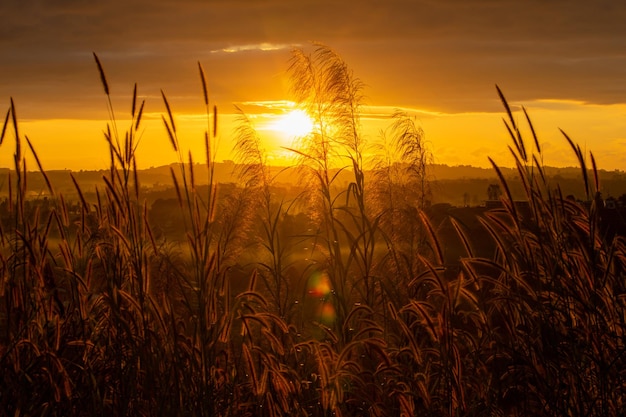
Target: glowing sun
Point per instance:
(296, 123)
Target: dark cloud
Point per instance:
(441, 55)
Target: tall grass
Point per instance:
(400, 191)
(99, 315)
(327, 90)
(258, 182)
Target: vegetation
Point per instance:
(366, 313)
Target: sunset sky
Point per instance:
(565, 61)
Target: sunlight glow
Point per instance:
(296, 123)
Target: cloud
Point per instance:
(276, 106)
(443, 55)
(373, 112)
(263, 47)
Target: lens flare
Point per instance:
(319, 284)
(327, 314)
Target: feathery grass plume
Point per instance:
(105, 85)
(134, 102)
(214, 121)
(553, 266)
(34, 323)
(125, 299)
(386, 205)
(249, 154)
(512, 128)
(400, 191)
(205, 93)
(266, 346)
(103, 77)
(414, 155)
(214, 242)
(316, 154)
(346, 92)
(103, 317)
(139, 115)
(274, 237)
(327, 90)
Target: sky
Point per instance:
(439, 60)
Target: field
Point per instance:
(364, 311)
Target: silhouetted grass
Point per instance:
(100, 316)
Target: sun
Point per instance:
(293, 124)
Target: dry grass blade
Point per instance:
(527, 182)
(43, 172)
(136, 178)
(511, 134)
(594, 168)
(252, 369)
(170, 134)
(532, 130)
(507, 191)
(127, 149)
(176, 187)
(148, 228)
(18, 151)
(517, 140)
(513, 129)
(505, 103)
(419, 308)
(113, 192)
(114, 150)
(581, 161)
(540, 168)
(461, 233)
(207, 153)
(4, 125)
(23, 176)
(191, 172)
(103, 77)
(169, 112)
(433, 237)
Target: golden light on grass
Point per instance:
(105, 310)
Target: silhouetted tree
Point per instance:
(494, 192)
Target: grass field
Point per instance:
(360, 315)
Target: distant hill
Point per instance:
(457, 185)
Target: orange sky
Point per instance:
(563, 60)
